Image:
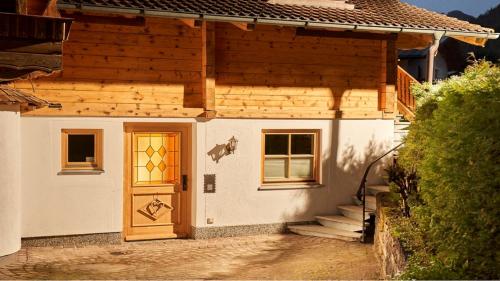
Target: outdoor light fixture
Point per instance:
(231, 145)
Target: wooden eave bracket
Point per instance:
(245, 26)
(51, 9)
(193, 23)
(209, 114)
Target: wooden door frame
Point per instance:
(128, 128)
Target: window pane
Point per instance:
(275, 168)
(276, 145)
(301, 168)
(81, 148)
(302, 144)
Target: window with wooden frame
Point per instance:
(290, 156)
(81, 149)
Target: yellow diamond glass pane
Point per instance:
(162, 151)
(162, 166)
(150, 166)
(150, 151)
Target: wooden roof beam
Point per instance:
(208, 69)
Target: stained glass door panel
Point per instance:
(155, 159)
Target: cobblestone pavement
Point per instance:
(251, 257)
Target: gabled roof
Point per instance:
(390, 15)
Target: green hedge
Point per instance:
(454, 145)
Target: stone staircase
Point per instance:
(400, 129)
(349, 224)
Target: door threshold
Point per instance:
(139, 237)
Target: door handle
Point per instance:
(184, 182)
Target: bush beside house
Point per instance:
(454, 146)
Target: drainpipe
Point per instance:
(433, 51)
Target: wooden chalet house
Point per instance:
(205, 118)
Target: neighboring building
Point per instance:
(205, 118)
(415, 62)
(454, 55)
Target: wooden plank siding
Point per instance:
(271, 72)
(164, 68)
(126, 70)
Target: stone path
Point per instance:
(251, 257)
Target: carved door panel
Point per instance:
(155, 200)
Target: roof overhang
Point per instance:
(12, 96)
(474, 38)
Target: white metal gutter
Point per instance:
(341, 26)
(433, 50)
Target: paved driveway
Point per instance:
(252, 257)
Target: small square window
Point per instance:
(81, 149)
(290, 156)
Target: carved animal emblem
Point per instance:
(155, 209)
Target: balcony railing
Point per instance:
(406, 100)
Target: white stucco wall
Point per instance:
(345, 147)
(76, 204)
(10, 180)
(71, 204)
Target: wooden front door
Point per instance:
(156, 181)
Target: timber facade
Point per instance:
(154, 67)
(139, 122)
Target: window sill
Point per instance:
(290, 186)
(80, 172)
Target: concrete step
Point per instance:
(340, 222)
(355, 212)
(374, 189)
(395, 143)
(326, 232)
(402, 122)
(371, 201)
(401, 131)
(399, 137)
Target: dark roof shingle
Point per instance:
(383, 13)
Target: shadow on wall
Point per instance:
(217, 152)
(343, 169)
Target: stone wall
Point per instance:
(387, 248)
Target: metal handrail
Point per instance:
(361, 194)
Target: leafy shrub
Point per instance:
(454, 145)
